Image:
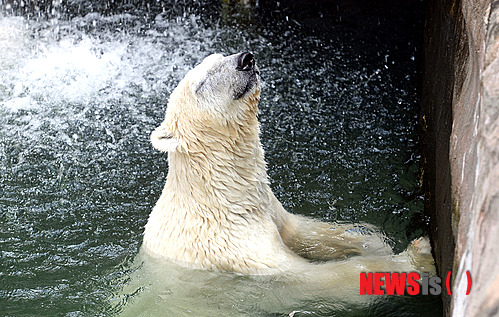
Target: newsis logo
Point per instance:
(411, 283)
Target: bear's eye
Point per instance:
(197, 86)
(206, 75)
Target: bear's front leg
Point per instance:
(316, 240)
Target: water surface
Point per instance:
(82, 85)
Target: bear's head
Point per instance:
(219, 95)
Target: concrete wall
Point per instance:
(460, 120)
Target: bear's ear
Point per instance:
(164, 140)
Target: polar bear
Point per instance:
(217, 210)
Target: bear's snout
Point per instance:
(247, 76)
(245, 61)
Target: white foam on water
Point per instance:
(12, 41)
(74, 72)
(65, 64)
(88, 71)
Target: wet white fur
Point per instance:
(217, 210)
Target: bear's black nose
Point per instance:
(245, 61)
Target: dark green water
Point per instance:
(82, 86)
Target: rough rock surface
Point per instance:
(461, 126)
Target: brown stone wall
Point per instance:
(443, 23)
(461, 126)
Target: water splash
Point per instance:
(82, 88)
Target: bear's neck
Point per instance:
(223, 173)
